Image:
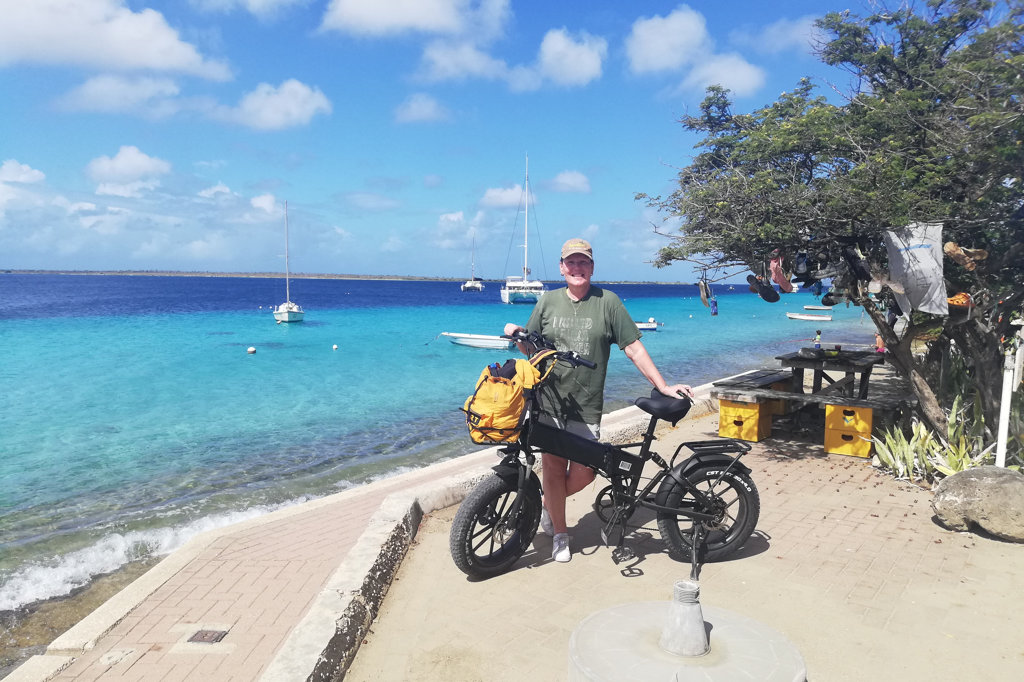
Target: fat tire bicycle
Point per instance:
(707, 505)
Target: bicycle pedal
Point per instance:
(622, 553)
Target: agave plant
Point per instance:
(907, 458)
(964, 446)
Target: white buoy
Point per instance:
(335, 346)
(251, 350)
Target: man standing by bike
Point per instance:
(586, 319)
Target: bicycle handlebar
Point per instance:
(540, 343)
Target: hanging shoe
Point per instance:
(953, 250)
(801, 263)
(705, 291)
(829, 271)
(856, 262)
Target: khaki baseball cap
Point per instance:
(576, 245)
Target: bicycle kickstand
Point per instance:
(695, 551)
(621, 552)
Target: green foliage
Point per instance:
(909, 458)
(931, 130)
(964, 445)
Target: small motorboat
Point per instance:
(810, 317)
(479, 340)
(651, 325)
(817, 307)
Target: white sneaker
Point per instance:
(545, 522)
(560, 548)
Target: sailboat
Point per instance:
(522, 289)
(287, 311)
(474, 283)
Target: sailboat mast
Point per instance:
(526, 224)
(287, 273)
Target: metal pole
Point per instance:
(1004, 408)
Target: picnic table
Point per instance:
(748, 401)
(855, 365)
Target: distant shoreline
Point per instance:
(279, 275)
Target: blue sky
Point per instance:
(145, 135)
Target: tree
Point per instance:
(930, 132)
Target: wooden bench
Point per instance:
(826, 396)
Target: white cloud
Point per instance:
(798, 35)
(129, 165)
(211, 192)
(127, 189)
(269, 108)
(101, 34)
(112, 93)
(390, 17)
(568, 61)
(264, 9)
(457, 61)
(503, 197)
(432, 180)
(392, 244)
(728, 70)
(561, 59)
(370, 201)
(570, 181)
(12, 171)
(264, 202)
(420, 107)
(667, 43)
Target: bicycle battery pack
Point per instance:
(608, 459)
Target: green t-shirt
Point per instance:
(589, 327)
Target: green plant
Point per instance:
(964, 446)
(907, 458)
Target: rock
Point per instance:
(988, 497)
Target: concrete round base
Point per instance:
(620, 644)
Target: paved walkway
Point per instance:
(847, 564)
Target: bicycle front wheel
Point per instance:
(734, 502)
(486, 537)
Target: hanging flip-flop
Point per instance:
(778, 276)
(704, 291)
(762, 288)
(714, 306)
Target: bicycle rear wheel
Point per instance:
(735, 504)
(486, 538)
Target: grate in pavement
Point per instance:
(208, 636)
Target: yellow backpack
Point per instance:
(494, 412)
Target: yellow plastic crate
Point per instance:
(774, 406)
(844, 418)
(843, 442)
(745, 421)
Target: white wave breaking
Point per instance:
(66, 573)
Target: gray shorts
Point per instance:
(588, 431)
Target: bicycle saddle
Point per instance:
(663, 407)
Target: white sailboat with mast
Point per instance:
(474, 283)
(287, 311)
(522, 289)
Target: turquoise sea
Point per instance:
(132, 416)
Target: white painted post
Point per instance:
(1004, 408)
